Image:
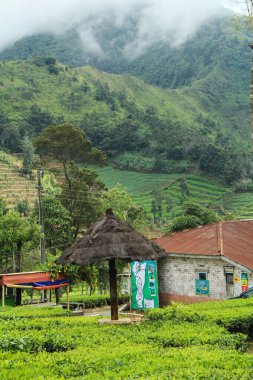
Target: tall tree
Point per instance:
(57, 224)
(16, 230)
(67, 143)
(28, 152)
(37, 120)
(81, 196)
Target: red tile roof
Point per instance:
(232, 239)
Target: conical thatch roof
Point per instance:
(110, 238)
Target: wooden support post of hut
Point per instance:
(113, 289)
(68, 296)
(3, 295)
(110, 239)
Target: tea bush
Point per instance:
(179, 342)
(95, 300)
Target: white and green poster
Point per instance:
(144, 285)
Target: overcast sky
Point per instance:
(176, 20)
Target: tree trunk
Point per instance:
(57, 296)
(113, 290)
(18, 269)
(19, 256)
(66, 175)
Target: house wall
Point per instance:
(177, 277)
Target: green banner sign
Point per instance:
(144, 285)
(202, 287)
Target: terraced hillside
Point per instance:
(163, 194)
(160, 195)
(242, 203)
(13, 186)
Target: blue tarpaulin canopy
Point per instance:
(43, 285)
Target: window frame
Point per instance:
(201, 273)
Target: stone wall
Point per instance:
(177, 277)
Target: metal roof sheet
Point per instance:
(232, 239)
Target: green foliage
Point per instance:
(15, 231)
(35, 344)
(50, 61)
(133, 161)
(131, 122)
(184, 222)
(23, 208)
(28, 152)
(36, 120)
(52, 69)
(120, 201)
(194, 215)
(234, 315)
(95, 300)
(3, 207)
(244, 186)
(57, 224)
(191, 347)
(10, 137)
(63, 142)
(205, 214)
(81, 196)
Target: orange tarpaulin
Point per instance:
(31, 279)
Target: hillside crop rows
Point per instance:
(146, 188)
(14, 187)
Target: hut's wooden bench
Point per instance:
(73, 305)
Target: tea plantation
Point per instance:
(146, 189)
(171, 190)
(207, 341)
(14, 186)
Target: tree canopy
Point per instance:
(67, 143)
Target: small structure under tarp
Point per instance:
(33, 280)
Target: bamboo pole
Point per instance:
(3, 295)
(130, 287)
(68, 297)
(113, 290)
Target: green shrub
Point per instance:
(37, 343)
(183, 222)
(96, 300)
(181, 342)
(52, 69)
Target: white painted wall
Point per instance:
(177, 275)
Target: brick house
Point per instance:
(211, 262)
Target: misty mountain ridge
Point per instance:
(204, 117)
(117, 48)
(214, 64)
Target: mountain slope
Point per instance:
(214, 65)
(138, 125)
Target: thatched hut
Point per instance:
(110, 239)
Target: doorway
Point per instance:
(230, 284)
